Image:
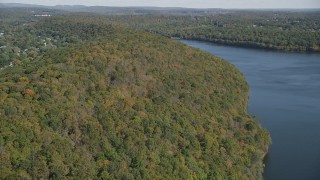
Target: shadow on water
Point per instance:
(265, 161)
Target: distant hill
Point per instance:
(121, 10)
(18, 5)
(146, 10)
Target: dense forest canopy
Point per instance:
(82, 98)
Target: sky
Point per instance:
(181, 3)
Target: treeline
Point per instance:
(116, 103)
(287, 31)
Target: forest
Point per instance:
(84, 97)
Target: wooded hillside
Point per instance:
(116, 103)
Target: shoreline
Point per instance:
(218, 42)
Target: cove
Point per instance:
(285, 97)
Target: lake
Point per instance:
(285, 97)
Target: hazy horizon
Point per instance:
(231, 4)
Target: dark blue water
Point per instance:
(285, 96)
